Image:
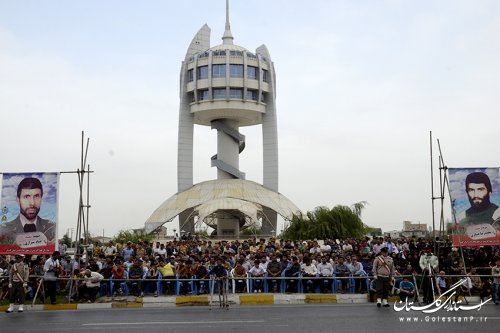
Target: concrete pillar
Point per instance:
(270, 225)
(228, 149)
(227, 225)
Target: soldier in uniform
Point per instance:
(383, 272)
(18, 281)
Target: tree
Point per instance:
(252, 231)
(125, 236)
(202, 233)
(322, 223)
(66, 240)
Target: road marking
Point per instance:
(176, 322)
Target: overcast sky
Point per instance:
(359, 86)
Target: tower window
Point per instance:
(252, 95)
(263, 98)
(236, 54)
(191, 97)
(236, 70)
(203, 95)
(219, 53)
(219, 70)
(252, 72)
(219, 93)
(236, 93)
(202, 72)
(265, 75)
(190, 75)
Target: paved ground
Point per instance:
(263, 319)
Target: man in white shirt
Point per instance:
(91, 285)
(325, 270)
(110, 249)
(429, 264)
(315, 249)
(359, 274)
(62, 248)
(326, 248)
(377, 247)
(162, 251)
(308, 270)
(257, 272)
(347, 247)
(52, 268)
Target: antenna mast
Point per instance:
(228, 36)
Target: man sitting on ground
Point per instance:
(441, 282)
(406, 289)
(90, 286)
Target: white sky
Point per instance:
(360, 84)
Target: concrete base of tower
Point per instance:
(269, 222)
(244, 201)
(186, 221)
(227, 226)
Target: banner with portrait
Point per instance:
(475, 198)
(28, 216)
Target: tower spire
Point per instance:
(227, 38)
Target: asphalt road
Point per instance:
(263, 319)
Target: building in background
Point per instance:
(408, 226)
(410, 230)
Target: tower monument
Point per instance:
(226, 87)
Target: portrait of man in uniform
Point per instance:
(475, 202)
(478, 188)
(29, 197)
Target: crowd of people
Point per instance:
(376, 266)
